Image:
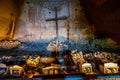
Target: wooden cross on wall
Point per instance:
(56, 23)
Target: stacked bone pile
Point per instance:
(86, 68)
(16, 71)
(34, 62)
(54, 47)
(110, 68)
(51, 70)
(13, 59)
(9, 44)
(77, 56)
(106, 57)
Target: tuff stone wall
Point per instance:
(8, 11)
(32, 24)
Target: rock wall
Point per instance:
(8, 12)
(32, 24)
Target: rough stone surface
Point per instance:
(32, 24)
(8, 11)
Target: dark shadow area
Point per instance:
(104, 15)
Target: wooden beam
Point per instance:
(53, 19)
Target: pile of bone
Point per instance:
(111, 70)
(9, 44)
(77, 56)
(86, 70)
(33, 62)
